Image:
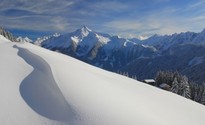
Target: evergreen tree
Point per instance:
(164, 77)
(185, 88)
(179, 84)
(134, 77)
(193, 89)
(203, 94)
(182, 86)
(175, 86)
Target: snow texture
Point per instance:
(40, 87)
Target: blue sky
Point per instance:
(127, 18)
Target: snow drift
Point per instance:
(40, 87)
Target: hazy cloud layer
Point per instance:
(129, 18)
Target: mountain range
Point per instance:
(183, 52)
(41, 87)
(99, 49)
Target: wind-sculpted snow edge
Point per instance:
(40, 91)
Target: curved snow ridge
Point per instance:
(40, 91)
(99, 97)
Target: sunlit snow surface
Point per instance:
(40, 87)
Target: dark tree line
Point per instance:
(127, 75)
(7, 34)
(181, 85)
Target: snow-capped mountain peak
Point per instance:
(93, 46)
(203, 31)
(85, 28)
(83, 32)
(102, 39)
(56, 34)
(26, 39)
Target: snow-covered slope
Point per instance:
(40, 87)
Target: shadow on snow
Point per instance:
(40, 91)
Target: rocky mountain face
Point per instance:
(188, 59)
(39, 40)
(166, 41)
(183, 52)
(102, 50)
(21, 39)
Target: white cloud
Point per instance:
(127, 18)
(35, 23)
(39, 15)
(37, 6)
(197, 4)
(147, 27)
(124, 25)
(109, 6)
(165, 20)
(59, 23)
